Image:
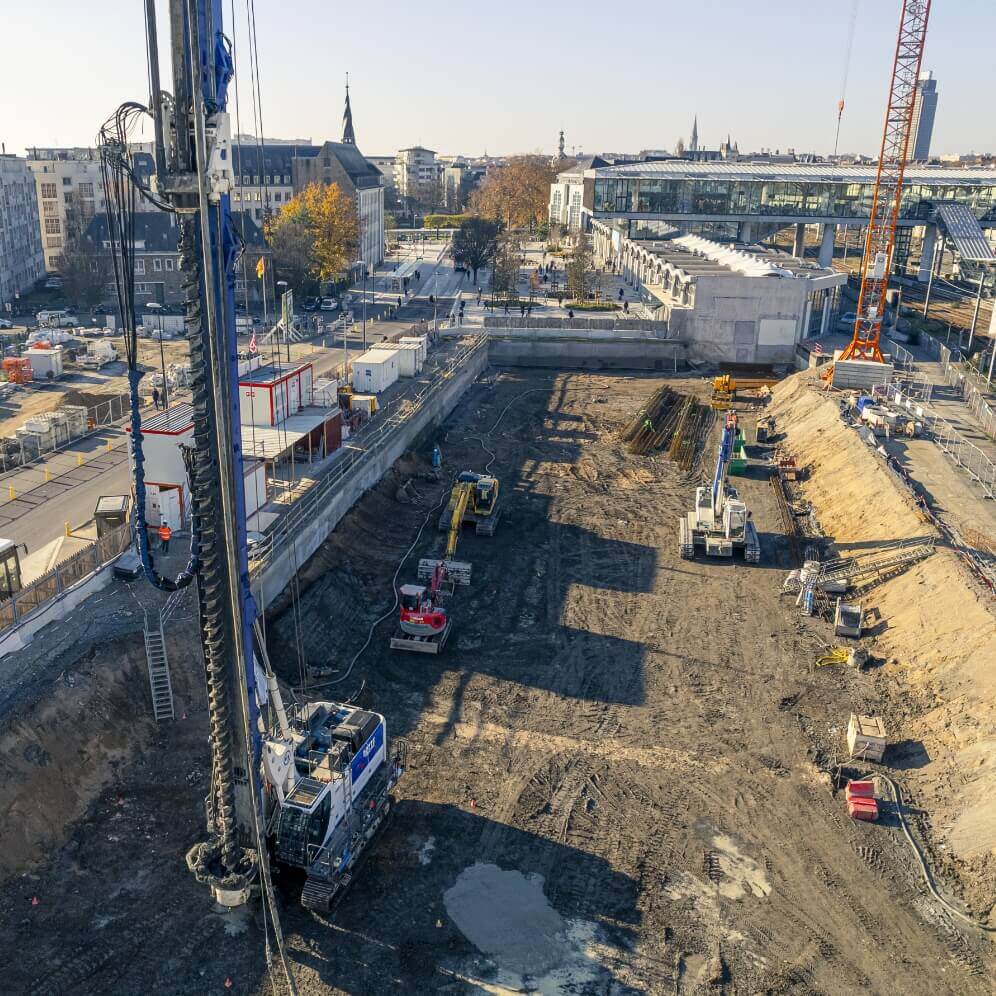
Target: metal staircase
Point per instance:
(155, 654)
(159, 680)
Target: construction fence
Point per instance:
(359, 452)
(63, 576)
(660, 330)
(968, 381)
(964, 454)
(13, 452)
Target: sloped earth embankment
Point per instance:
(935, 632)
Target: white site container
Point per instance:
(416, 350)
(325, 392)
(375, 371)
(408, 368)
(422, 341)
(407, 355)
(46, 364)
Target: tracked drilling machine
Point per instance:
(308, 783)
(720, 522)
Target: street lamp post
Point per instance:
(283, 283)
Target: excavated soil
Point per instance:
(616, 742)
(936, 633)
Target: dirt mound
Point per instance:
(855, 496)
(937, 635)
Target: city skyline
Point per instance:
(758, 68)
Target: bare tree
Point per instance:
(86, 267)
(475, 243)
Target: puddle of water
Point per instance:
(533, 949)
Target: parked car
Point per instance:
(4, 324)
(53, 283)
(329, 304)
(311, 304)
(845, 323)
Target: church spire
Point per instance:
(348, 135)
(693, 142)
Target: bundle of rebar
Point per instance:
(671, 421)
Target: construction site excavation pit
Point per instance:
(615, 776)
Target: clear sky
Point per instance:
(465, 77)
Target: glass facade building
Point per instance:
(821, 193)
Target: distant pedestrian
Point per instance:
(155, 398)
(522, 310)
(506, 307)
(626, 307)
(620, 293)
(570, 312)
(560, 300)
(165, 535)
(399, 302)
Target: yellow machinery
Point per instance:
(724, 391)
(480, 506)
(474, 498)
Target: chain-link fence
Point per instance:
(63, 576)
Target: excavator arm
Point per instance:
(456, 519)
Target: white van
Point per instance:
(56, 319)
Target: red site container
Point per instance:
(860, 790)
(862, 809)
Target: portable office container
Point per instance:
(46, 363)
(375, 371)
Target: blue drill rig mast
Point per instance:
(309, 784)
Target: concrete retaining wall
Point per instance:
(19, 636)
(285, 562)
(587, 354)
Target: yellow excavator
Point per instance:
(476, 497)
(724, 392)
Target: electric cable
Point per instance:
(394, 605)
(408, 552)
(120, 186)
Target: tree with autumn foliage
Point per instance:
(316, 235)
(516, 194)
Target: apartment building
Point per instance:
(22, 260)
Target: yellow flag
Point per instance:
(260, 268)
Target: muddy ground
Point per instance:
(612, 785)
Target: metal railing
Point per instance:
(964, 454)
(661, 330)
(373, 437)
(63, 576)
(967, 381)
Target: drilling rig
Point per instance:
(308, 783)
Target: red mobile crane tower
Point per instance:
(880, 242)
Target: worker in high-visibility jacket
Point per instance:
(165, 535)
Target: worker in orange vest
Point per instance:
(165, 535)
